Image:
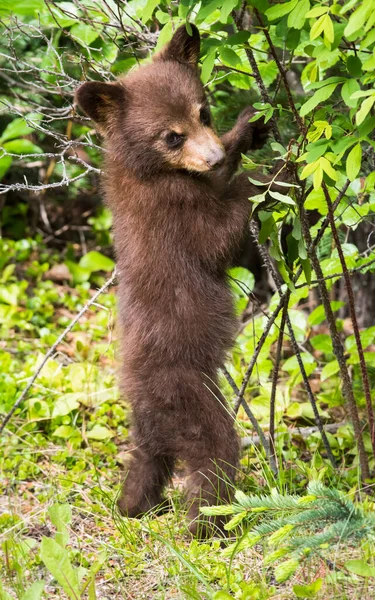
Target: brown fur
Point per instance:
(177, 224)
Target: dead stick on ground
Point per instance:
(53, 348)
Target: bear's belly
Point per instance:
(184, 324)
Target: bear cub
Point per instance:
(179, 215)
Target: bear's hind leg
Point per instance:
(143, 487)
(212, 462)
(211, 483)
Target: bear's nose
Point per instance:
(216, 159)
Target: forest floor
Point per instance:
(61, 467)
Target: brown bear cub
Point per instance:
(179, 216)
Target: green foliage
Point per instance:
(296, 528)
(72, 421)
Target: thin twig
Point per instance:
(282, 72)
(238, 19)
(259, 346)
(249, 413)
(277, 279)
(275, 376)
(50, 352)
(353, 316)
(325, 223)
(336, 344)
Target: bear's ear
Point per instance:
(183, 48)
(98, 99)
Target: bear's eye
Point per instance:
(174, 140)
(205, 116)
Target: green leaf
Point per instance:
(364, 110)
(38, 409)
(226, 9)
(206, 10)
(18, 128)
(280, 9)
(282, 198)
(353, 162)
(280, 535)
(326, 81)
(329, 370)
(297, 17)
(318, 315)
(148, 10)
(244, 277)
(229, 56)
(241, 497)
(238, 39)
(328, 29)
(368, 40)
(354, 66)
(322, 342)
(363, 93)
(258, 199)
(79, 274)
(95, 261)
(5, 162)
(66, 404)
(56, 559)
(85, 34)
(65, 432)
(327, 168)
(291, 364)
(308, 591)
(35, 591)
(61, 516)
(360, 567)
(350, 87)
(207, 66)
(165, 35)
(320, 96)
(22, 147)
(221, 509)
(99, 432)
(358, 18)
(222, 596)
(317, 11)
(306, 266)
(24, 8)
(317, 28)
(267, 226)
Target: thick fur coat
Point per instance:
(179, 215)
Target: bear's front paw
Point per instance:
(258, 130)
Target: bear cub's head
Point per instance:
(157, 117)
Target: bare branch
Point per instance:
(353, 316)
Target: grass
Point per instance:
(152, 558)
(65, 447)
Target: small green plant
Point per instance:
(295, 528)
(54, 552)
